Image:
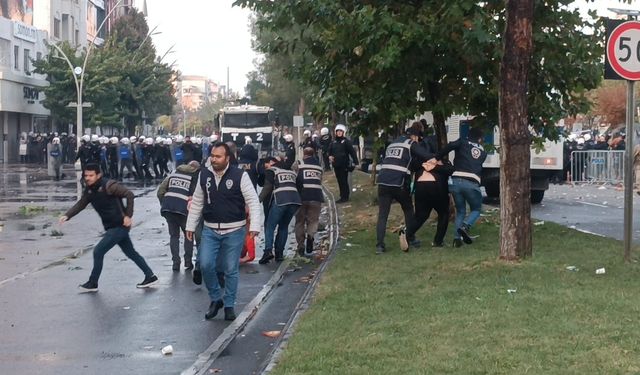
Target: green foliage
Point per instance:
(123, 79)
(376, 56)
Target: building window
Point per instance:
(38, 56)
(77, 41)
(27, 62)
(16, 57)
(56, 28)
(65, 27)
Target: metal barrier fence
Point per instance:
(597, 167)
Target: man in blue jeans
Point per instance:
(465, 187)
(106, 198)
(221, 197)
(281, 189)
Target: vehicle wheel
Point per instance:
(536, 196)
(492, 189)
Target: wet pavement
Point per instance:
(49, 328)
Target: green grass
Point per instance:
(30, 210)
(447, 311)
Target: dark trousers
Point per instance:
(431, 195)
(116, 236)
(113, 170)
(386, 195)
(342, 175)
(129, 165)
(176, 224)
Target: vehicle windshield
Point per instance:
(245, 120)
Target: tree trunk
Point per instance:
(440, 129)
(515, 137)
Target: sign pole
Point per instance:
(622, 62)
(628, 174)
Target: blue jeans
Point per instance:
(225, 248)
(112, 237)
(465, 191)
(279, 216)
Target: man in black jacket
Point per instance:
(465, 187)
(344, 159)
(106, 198)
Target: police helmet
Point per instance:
(288, 137)
(168, 141)
(125, 140)
(95, 138)
(324, 131)
(341, 127)
(148, 141)
(307, 133)
(179, 138)
(114, 140)
(86, 138)
(56, 141)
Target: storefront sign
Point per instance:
(31, 94)
(25, 32)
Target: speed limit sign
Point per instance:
(623, 50)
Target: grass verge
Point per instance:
(449, 311)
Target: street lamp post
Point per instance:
(78, 76)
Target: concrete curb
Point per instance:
(206, 358)
(304, 303)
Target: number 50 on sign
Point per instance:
(622, 50)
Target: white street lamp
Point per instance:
(78, 75)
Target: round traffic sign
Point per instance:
(623, 50)
(77, 70)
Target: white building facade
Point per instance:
(21, 96)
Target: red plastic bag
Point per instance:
(248, 249)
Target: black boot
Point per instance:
(214, 307)
(309, 245)
(266, 257)
(279, 255)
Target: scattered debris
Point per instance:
(272, 334)
(167, 350)
(600, 271)
(572, 268)
(602, 188)
(56, 233)
(511, 291)
(215, 370)
(75, 268)
(537, 223)
(126, 308)
(148, 347)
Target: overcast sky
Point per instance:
(210, 35)
(207, 37)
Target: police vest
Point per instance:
(311, 176)
(55, 151)
(178, 192)
(179, 154)
(395, 165)
(285, 190)
(224, 206)
(109, 207)
(125, 152)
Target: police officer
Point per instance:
(343, 158)
(325, 143)
(309, 181)
(290, 152)
(222, 196)
(394, 180)
(248, 160)
(465, 186)
(280, 185)
(126, 158)
(56, 154)
(112, 157)
(174, 194)
(84, 152)
(309, 141)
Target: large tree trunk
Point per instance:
(515, 137)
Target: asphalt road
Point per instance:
(49, 328)
(594, 209)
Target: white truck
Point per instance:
(237, 122)
(544, 164)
